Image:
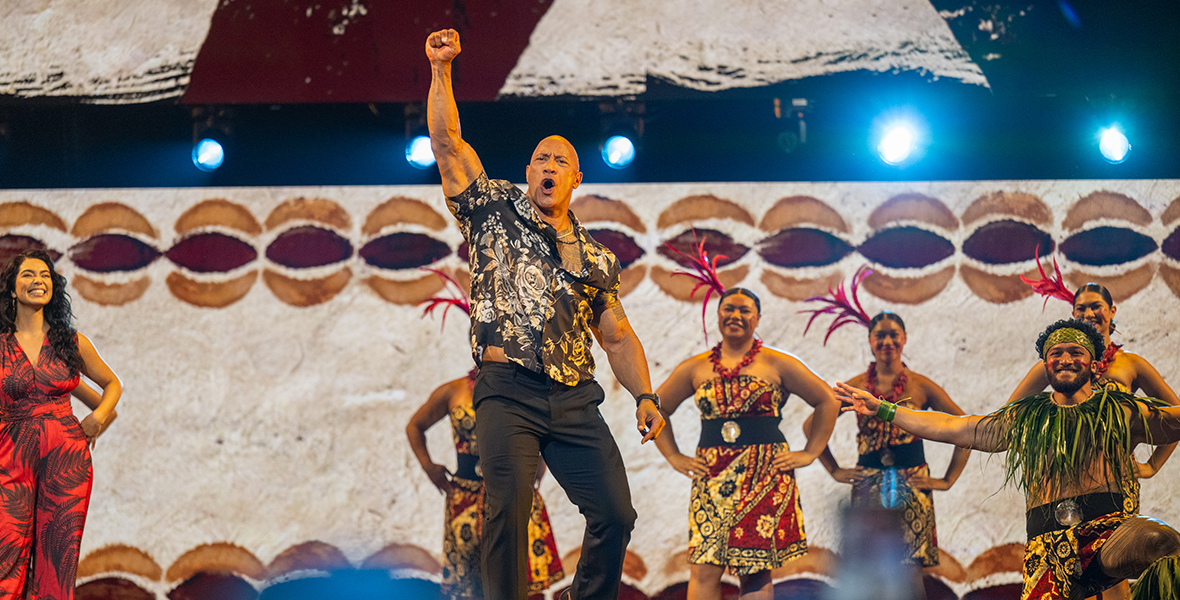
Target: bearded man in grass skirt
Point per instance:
(1070, 450)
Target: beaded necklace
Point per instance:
(715, 358)
(898, 383)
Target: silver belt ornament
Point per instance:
(1067, 513)
(730, 431)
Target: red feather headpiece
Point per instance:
(1049, 287)
(457, 299)
(704, 271)
(838, 303)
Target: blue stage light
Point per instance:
(208, 154)
(419, 154)
(1114, 145)
(897, 144)
(618, 151)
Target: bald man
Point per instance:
(540, 288)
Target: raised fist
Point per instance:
(442, 46)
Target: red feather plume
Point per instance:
(1049, 287)
(845, 306)
(458, 298)
(704, 271)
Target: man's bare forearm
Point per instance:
(629, 363)
(969, 431)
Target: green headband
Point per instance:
(1068, 335)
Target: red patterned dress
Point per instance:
(744, 514)
(464, 524)
(888, 474)
(45, 475)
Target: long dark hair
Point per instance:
(58, 313)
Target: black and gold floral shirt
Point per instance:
(523, 298)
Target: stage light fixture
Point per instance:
(211, 135)
(792, 123)
(418, 152)
(897, 144)
(618, 151)
(622, 132)
(1114, 145)
(208, 154)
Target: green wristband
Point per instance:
(886, 411)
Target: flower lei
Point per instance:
(1107, 358)
(715, 358)
(898, 383)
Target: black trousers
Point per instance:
(518, 416)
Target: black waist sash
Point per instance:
(468, 467)
(1042, 519)
(749, 431)
(901, 456)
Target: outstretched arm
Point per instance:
(802, 381)
(432, 411)
(672, 394)
(457, 162)
(1153, 385)
(627, 360)
(970, 431)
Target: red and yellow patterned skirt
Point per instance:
(890, 488)
(745, 514)
(464, 525)
(1055, 563)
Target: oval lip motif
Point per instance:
(1007, 241)
(112, 252)
(620, 244)
(906, 247)
(1171, 245)
(717, 244)
(1107, 245)
(211, 252)
(11, 245)
(403, 250)
(308, 246)
(797, 247)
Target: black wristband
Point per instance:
(655, 399)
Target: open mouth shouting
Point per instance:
(548, 185)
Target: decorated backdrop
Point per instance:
(272, 351)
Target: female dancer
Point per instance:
(464, 489)
(744, 511)
(45, 471)
(891, 470)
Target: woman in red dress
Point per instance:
(45, 472)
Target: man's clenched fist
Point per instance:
(442, 46)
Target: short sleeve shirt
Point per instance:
(523, 298)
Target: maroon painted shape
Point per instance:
(308, 246)
(276, 53)
(214, 586)
(803, 247)
(211, 253)
(404, 250)
(906, 248)
(1171, 245)
(111, 252)
(717, 244)
(624, 248)
(1005, 242)
(111, 588)
(1008, 591)
(11, 245)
